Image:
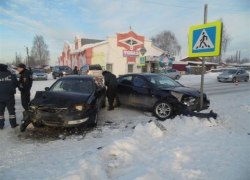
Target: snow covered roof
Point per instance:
(154, 51)
(86, 46)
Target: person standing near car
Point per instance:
(8, 84)
(24, 85)
(111, 83)
(75, 71)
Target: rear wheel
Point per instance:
(177, 77)
(54, 77)
(163, 110)
(247, 79)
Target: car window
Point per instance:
(139, 82)
(127, 80)
(163, 81)
(95, 67)
(84, 68)
(73, 85)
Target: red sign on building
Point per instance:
(132, 43)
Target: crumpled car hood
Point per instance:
(58, 99)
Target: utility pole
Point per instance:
(16, 58)
(239, 56)
(236, 57)
(203, 64)
(27, 51)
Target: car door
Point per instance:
(124, 89)
(141, 92)
(240, 75)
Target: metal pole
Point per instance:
(203, 64)
(27, 50)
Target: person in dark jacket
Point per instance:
(8, 84)
(24, 85)
(111, 83)
(75, 71)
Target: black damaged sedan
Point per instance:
(71, 101)
(162, 95)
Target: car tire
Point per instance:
(234, 80)
(37, 124)
(54, 77)
(163, 110)
(177, 77)
(247, 79)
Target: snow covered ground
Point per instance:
(128, 145)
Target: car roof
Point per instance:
(78, 77)
(142, 74)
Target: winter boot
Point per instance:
(111, 108)
(13, 123)
(1, 123)
(25, 122)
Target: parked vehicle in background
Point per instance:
(172, 73)
(233, 75)
(94, 70)
(60, 71)
(162, 95)
(71, 101)
(39, 74)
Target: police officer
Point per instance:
(24, 85)
(8, 84)
(111, 83)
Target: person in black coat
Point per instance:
(8, 84)
(24, 85)
(75, 71)
(111, 83)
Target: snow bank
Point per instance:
(196, 79)
(187, 150)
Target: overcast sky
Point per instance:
(61, 20)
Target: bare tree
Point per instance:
(39, 51)
(17, 60)
(225, 41)
(167, 41)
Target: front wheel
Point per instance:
(177, 77)
(163, 110)
(234, 80)
(247, 79)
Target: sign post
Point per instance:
(204, 41)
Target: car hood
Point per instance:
(184, 90)
(59, 99)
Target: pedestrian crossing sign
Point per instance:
(205, 40)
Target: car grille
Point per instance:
(52, 110)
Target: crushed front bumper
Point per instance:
(60, 117)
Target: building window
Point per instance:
(130, 68)
(109, 67)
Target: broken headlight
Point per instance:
(188, 101)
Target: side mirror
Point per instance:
(46, 89)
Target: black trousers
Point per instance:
(25, 98)
(112, 96)
(9, 102)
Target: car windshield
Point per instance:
(163, 81)
(84, 86)
(38, 71)
(230, 71)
